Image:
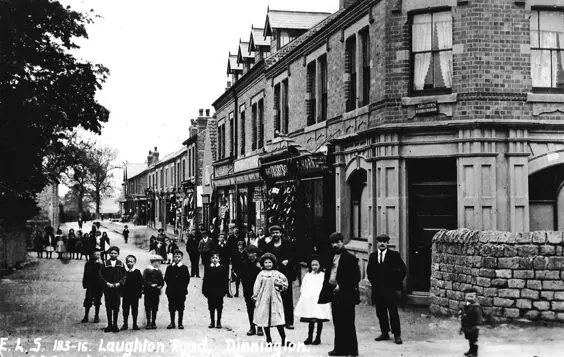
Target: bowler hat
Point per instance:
(269, 256)
(113, 247)
(335, 237)
(383, 238)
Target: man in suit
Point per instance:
(386, 271)
(340, 288)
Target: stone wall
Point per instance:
(518, 275)
(13, 248)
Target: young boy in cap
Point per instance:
(94, 286)
(125, 233)
(132, 291)
(470, 320)
(204, 248)
(154, 282)
(113, 276)
(250, 268)
(215, 287)
(177, 279)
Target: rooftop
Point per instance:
(232, 64)
(258, 39)
(170, 156)
(132, 170)
(297, 20)
(244, 52)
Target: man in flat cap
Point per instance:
(386, 271)
(340, 288)
(113, 276)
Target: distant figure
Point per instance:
(60, 245)
(470, 320)
(125, 233)
(80, 221)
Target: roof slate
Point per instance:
(244, 52)
(298, 20)
(233, 65)
(258, 39)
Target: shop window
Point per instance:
(431, 52)
(547, 50)
(359, 200)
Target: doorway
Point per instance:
(432, 202)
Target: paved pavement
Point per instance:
(43, 303)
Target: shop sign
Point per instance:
(311, 163)
(276, 170)
(426, 108)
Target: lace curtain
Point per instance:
(547, 32)
(443, 27)
(421, 40)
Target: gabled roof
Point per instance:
(296, 20)
(233, 65)
(278, 55)
(244, 54)
(132, 170)
(257, 39)
(173, 155)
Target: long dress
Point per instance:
(60, 244)
(269, 309)
(307, 307)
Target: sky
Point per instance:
(167, 59)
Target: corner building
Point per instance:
(428, 115)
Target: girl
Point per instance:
(71, 243)
(49, 242)
(87, 246)
(38, 244)
(308, 308)
(78, 245)
(269, 310)
(60, 238)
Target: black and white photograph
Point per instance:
(300, 178)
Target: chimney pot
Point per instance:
(207, 112)
(155, 148)
(201, 112)
(228, 84)
(345, 3)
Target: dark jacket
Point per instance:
(177, 279)
(113, 275)
(125, 233)
(171, 247)
(103, 242)
(205, 246)
(133, 287)
(248, 274)
(284, 252)
(216, 281)
(237, 260)
(92, 275)
(49, 240)
(153, 276)
(192, 244)
(225, 251)
(471, 317)
(388, 276)
(348, 277)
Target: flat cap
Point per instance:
(383, 238)
(113, 247)
(336, 237)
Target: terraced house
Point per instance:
(398, 117)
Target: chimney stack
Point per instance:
(155, 155)
(201, 112)
(207, 112)
(346, 3)
(150, 158)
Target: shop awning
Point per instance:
(239, 179)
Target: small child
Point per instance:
(94, 286)
(161, 249)
(170, 248)
(38, 244)
(113, 276)
(269, 310)
(153, 245)
(239, 255)
(71, 243)
(215, 287)
(49, 242)
(177, 279)
(154, 282)
(132, 291)
(60, 246)
(125, 233)
(470, 319)
(308, 308)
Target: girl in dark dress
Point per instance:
(38, 244)
(71, 243)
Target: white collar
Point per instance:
(214, 265)
(178, 265)
(130, 270)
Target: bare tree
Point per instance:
(100, 174)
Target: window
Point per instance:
(232, 135)
(194, 158)
(359, 199)
(547, 50)
(183, 169)
(323, 88)
(281, 107)
(350, 69)
(310, 90)
(285, 107)
(242, 115)
(365, 66)
(260, 125)
(254, 127)
(277, 98)
(190, 162)
(221, 141)
(432, 52)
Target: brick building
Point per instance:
(400, 117)
(134, 200)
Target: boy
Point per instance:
(192, 249)
(113, 276)
(132, 291)
(94, 286)
(236, 261)
(204, 248)
(215, 288)
(177, 279)
(125, 233)
(470, 319)
(154, 282)
(170, 248)
(250, 268)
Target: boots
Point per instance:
(236, 290)
(317, 340)
(115, 327)
(260, 331)
(252, 330)
(110, 326)
(86, 311)
(125, 318)
(148, 316)
(473, 351)
(134, 317)
(212, 319)
(172, 317)
(309, 339)
(218, 324)
(154, 318)
(180, 318)
(96, 314)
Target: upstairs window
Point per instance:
(365, 66)
(254, 126)
(276, 108)
(242, 115)
(310, 90)
(323, 88)
(350, 69)
(260, 126)
(431, 35)
(547, 50)
(232, 135)
(285, 115)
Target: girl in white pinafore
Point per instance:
(307, 308)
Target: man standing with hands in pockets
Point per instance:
(386, 271)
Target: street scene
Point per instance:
(282, 178)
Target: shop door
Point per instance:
(432, 204)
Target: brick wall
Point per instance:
(13, 250)
(518, 275)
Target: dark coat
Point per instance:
(113, 275)
(225, 251)
(171, 247)
(153, 276)
(248, 274)
(38, 243)
(92, 275)
(237, 260)
(177, 279)
(205, 246)
(387, 277)
(216, 281)
(49, 240)
(125, 233)
(471, 317)
(348, 277)
(133, 287)
(284, 252)
(103, 242)
(192, 244)
(88, 244)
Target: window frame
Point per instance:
(431, 91)
(549, 90)
(311, 85)
(351, 99)
(242, 116)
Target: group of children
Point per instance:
(77, 245)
